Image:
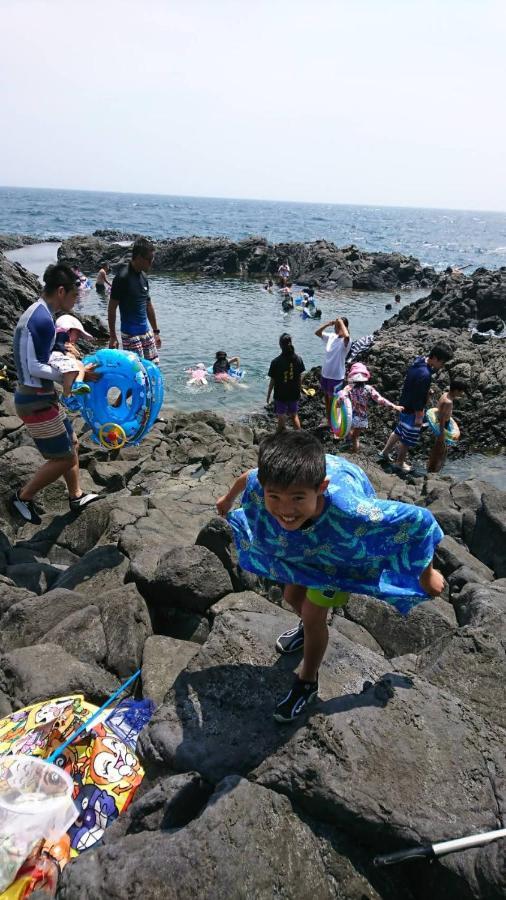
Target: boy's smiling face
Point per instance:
(292, 506)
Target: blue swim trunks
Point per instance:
(406, 429)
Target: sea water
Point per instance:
(437, 237)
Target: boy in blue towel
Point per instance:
(313, 523)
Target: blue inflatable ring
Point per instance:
(141, 385)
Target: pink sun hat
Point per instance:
(358, 372)
(71, 323)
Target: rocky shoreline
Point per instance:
(407, 742)
(318, 264)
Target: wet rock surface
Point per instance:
(405, 744)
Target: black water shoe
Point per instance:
(292, 640)
(78, 503)
(300, 695)
(26, 509)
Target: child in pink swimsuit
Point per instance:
(360, 393)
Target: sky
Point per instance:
(383, 102)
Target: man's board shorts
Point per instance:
(286, 407)
(329, 599)
(46, 423)
(329, 386)
(141, 344)
(406, 429)
(61, 363)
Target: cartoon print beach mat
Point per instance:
(100, 765)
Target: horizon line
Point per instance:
(17, 187)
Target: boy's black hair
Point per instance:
(458, 384)
(397, 297)
(441, 352)
(345, 320)
(59, 275)
(142, 247)
(221, 354)
(293, 457)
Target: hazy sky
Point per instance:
(395, 102)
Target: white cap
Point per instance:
(69, 323)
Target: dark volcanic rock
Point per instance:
(215, 856)
(190, 578)
(46, 670)
(320, 263)
(447, 314)
(397, 634)
(15, 241)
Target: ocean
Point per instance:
(198, 316)
(437, 237)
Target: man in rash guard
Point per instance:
(36, 400)
(130, 292)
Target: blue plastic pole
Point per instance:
(56, 753)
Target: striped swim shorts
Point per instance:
(406, 429)
(142, 344)
(46, 423)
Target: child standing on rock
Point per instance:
(313, 523)
(439, 450)
(285, 372)
(359, 394)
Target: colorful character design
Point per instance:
(105, 771)
(97, 809)
(41, 726)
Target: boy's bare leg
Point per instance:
(71, 476)
(296, 422)
(316, 636)
(437, 455)
(295, 594)
(355, 439)
(401, 456)
(390, 444)
(281, 423)
(47, 474)
(328, 404)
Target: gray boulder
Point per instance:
(451, 555)
(217, 536)
(10, 594)
(27, 621)
(471, 664)
(217, 855)
(398, 634)
(488, 541)
(230, 688)
(171, 802)
(163, 659)
(43, 671)
(127, 625)
(35, 577)
(100, 569)
(190, 578)
(82, 635)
